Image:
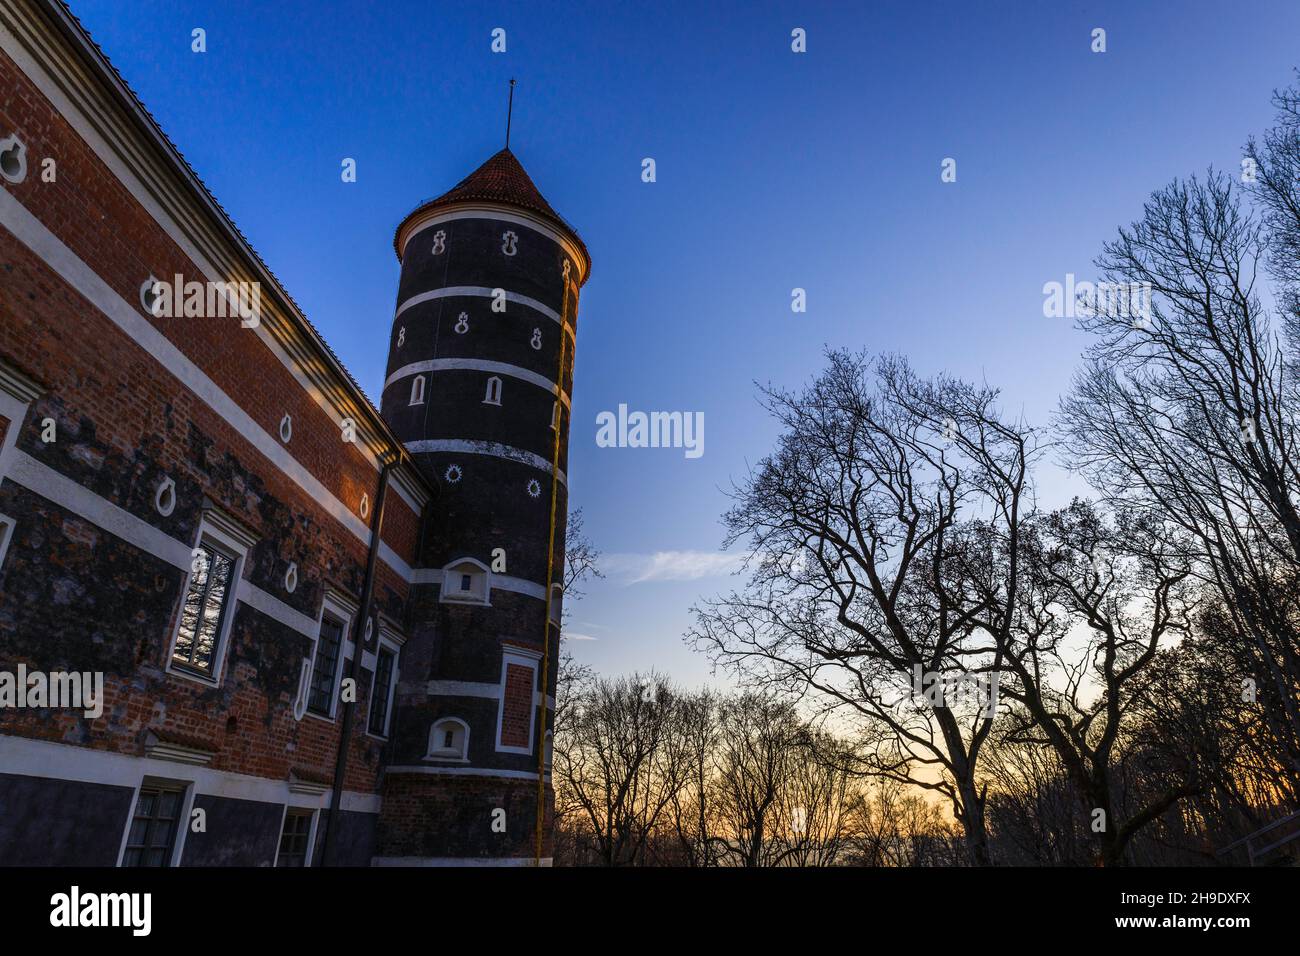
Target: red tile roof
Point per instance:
(500, 180)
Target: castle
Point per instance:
(321, 633)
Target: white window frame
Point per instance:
(492, 394)
(311, 833)
(391, 642)
(7, 526)
(451, 591)
(344, 612)
(556, 609)
(439, 753)
(228, 537)
(182, 822)
(524, 658)
(417, 390)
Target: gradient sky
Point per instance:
(775, 170)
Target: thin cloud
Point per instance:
(672, 565)
(569, 636)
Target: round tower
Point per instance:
(478, 388)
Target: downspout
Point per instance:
(349, 707)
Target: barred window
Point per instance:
(329, 645)
(207, 601)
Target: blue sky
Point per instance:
(775, 170)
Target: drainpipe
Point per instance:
(349, 708)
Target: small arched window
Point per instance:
(417, 390)
(466, 582)
(493, 394)
(449, 740)
(557, 603)
(555, 415)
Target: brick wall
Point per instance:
(72, 595)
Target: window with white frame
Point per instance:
(557, 602)
(295, 837)
(155, 824)
(382, 688)
(449, 740)
(6, 532)
(199, 644)
(417, 390)
(492, 395)
(326, 664)
(466, 581)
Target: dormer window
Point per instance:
(449, 740)
(466, 581)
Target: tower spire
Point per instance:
(510, 111)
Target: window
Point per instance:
(417, 390)
(382, 691)
(295, 837)
(493, 394)
(466, 582)
(449, 740)
(197, 650)
(557, 603)
(204, 611)
(6, 532)
(154, 823)
(329, 648)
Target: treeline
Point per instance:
(649, 775)
(1114, 682)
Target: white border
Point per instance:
(182, 821)
(338, 608)
(521, 658)
(384, 642)
(464, 752)
(28, 757)
(7, 526)
(311, 834)
(477, 365)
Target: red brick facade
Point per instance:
(174, 434)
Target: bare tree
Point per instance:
(619, 763)
(1190, 413)
(693, 817)
(1277, 189)
(1099, 598)
(852, 594)
(581, 562)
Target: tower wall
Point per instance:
(496, 382)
